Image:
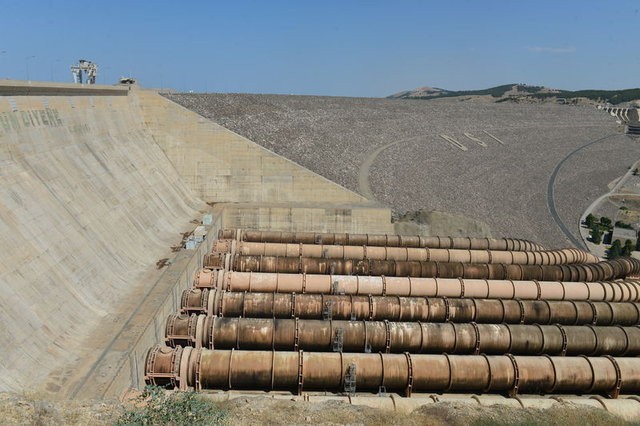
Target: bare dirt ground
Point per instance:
(415, 169)
(21, 410)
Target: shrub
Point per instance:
(621, 224)
(155, 406)
(605, 221)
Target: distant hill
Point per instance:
(524, 93)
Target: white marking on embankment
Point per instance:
(454, 142)
(493, 137)
(476, 140)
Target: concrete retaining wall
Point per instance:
(121, 364)
(97, 187)
(316, 218)
(88, 204)
(222, 166)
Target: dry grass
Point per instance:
(25, 409)
(21, 410)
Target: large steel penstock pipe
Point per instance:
(549, 257)
(337, 372)
(602, 271)
(414, 337)
(396, 308)
(380, 240)
(616, 291)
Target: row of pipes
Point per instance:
(338, 312)
(223, 280)
(398, 308)
(299, 371)
(405, 254)
(414, 337)
(601, 271)
(379, 240)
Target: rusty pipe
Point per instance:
(397, 308)
(601, 271)
(413, 337)
(379, 240)
(167, 367)
(405, 254)
(337, 372)
(615, 291)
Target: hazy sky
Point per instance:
(344, 48)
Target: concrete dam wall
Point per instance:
(88, 203)
(97, 187)
(252, 186)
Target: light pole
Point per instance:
(26, 61)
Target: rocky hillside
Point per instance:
(523, 93)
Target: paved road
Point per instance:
(365, 168)
(551, 204)
(365, 186)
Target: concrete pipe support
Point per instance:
(615, 291)
(397, 308)
(379, 240)
(413, 337)
(602, 271)
(626, 407)
(339, 372)
(405, 254)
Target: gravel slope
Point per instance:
(502, 185)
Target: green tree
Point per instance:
(615, 251)
(638, 244)
(596, 235)
(605, 221)
(628, 248)
(621, 224)
(590, 220)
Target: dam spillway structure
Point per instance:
(355, 334)
(110, 197)
(122, 209)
